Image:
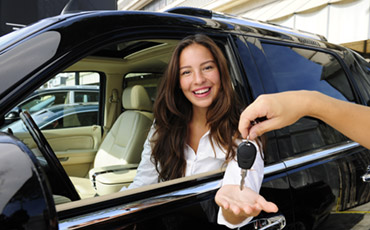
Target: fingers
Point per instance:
(266, 206)
(262, 127)
(235, 209)
(251, 210)
(237, 205)
(244, 124)
(258, 109)
(223, 203)
(270, 207)
(245, 120)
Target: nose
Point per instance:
(199, 77)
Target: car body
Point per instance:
(312, 172)
(47, 97)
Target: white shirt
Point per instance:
(204, 160)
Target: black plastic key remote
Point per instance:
(246, 155)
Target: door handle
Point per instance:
(61, 159)
(272, 223)
(366, 176)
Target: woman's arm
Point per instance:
(238, 206)
(283, 109)
(146, 173)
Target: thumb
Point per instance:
(260, 128)
(266, 206)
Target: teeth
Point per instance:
(202, 91)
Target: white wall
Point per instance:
(339, 21)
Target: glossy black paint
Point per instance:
(26, 199)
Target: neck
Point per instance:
(197, 128)
(199, 117)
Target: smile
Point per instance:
(202, 91)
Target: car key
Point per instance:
(246, 155)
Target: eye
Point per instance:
(185, 73)
(208, 67)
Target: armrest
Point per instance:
(112, 168)
(114, 173)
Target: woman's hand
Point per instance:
(237, 205)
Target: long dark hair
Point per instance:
(173, 112)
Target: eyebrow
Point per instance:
(203, 63)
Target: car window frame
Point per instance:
(146, 192)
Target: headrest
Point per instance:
(136, 98)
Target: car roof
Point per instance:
(180, 16)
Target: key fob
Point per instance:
(246, 154)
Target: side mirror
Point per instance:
(13, 115)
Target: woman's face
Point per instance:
(199, 75)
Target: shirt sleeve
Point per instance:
(146, 173)
(253, 181)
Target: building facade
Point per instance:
(345, 22)
(14, 17)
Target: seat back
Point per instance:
(124, 142)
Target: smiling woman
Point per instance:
(196, 117)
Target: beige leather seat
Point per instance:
(124, 142)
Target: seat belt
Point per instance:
(112, 111)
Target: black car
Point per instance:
(312, 172)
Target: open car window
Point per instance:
(85, 125)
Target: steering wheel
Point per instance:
(58, 178)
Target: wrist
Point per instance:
(315, 104)
(307, 103)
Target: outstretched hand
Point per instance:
(237, 205)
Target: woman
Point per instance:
(196, 128)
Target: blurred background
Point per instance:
(345, 22)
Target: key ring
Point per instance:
(246, 141)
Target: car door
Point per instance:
(324, 167)
(276, 186)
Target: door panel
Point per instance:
(87, 137)
(75, 147)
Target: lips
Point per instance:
(202, 91)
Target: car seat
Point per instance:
(124, 142)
